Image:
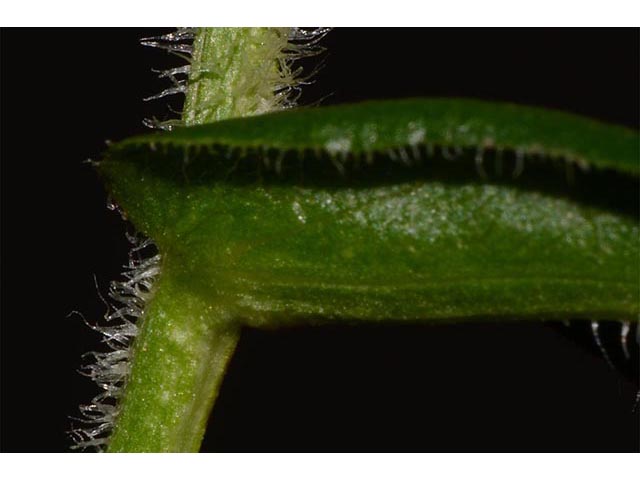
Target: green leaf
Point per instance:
(407, 210)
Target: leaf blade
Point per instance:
(427, 238)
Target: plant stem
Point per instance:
(234, 72)
(186, 340)
(180, 356)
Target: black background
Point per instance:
(481, 387)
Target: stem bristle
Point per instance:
(110, 369)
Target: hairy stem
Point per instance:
(234, 72)
(180, 357)
(186, 340)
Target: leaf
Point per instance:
(405, 210)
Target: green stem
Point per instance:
(185, 340)
(180, 356)
(234, 72)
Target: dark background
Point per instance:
(481, 387)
